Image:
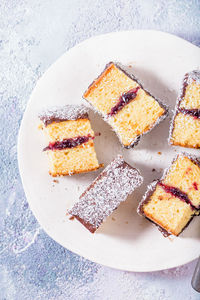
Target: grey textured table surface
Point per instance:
(33, 34)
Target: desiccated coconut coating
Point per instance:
(63, 113)
(104, 195)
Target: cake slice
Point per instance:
(185, 127)
(172, 201)
(124, 104)
(70, 140)
(104, 195)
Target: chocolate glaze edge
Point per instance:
(89, 226)
(51, 115)
(58, 120)
(93, 82)
(181, 95)
(166, 233)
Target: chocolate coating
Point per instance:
(64, 113)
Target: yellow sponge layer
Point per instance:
(75, 160)
(192, 96)
(136, 118)
(184, 174)
(169, 212)
(58, 131)
(186, 131)
(105, 92)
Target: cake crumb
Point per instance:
(40, 126)
(153, 170)
(97, 133)
(56, 181)
(71, 218)
(113, 219)
(126, 222)
(159, 153)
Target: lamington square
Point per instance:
(124, 104)
(105, 193)
(185, 127)
(172, 202)
(70, 140)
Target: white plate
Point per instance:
(125, 241)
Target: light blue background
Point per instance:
(33, 34)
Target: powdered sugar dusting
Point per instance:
(104, 195)
(63, 113)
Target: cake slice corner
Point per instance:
(105, 193)
(185, 125)
(123, 102)
(171, 202)
(70, 140)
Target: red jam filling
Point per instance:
(68, 143)
(192, 112)
(124, 100)
(195, 185)
(177, 193)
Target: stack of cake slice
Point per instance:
(124, 104)
(185, 128)
(71, 140)
(105, 193)
(172, 202)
